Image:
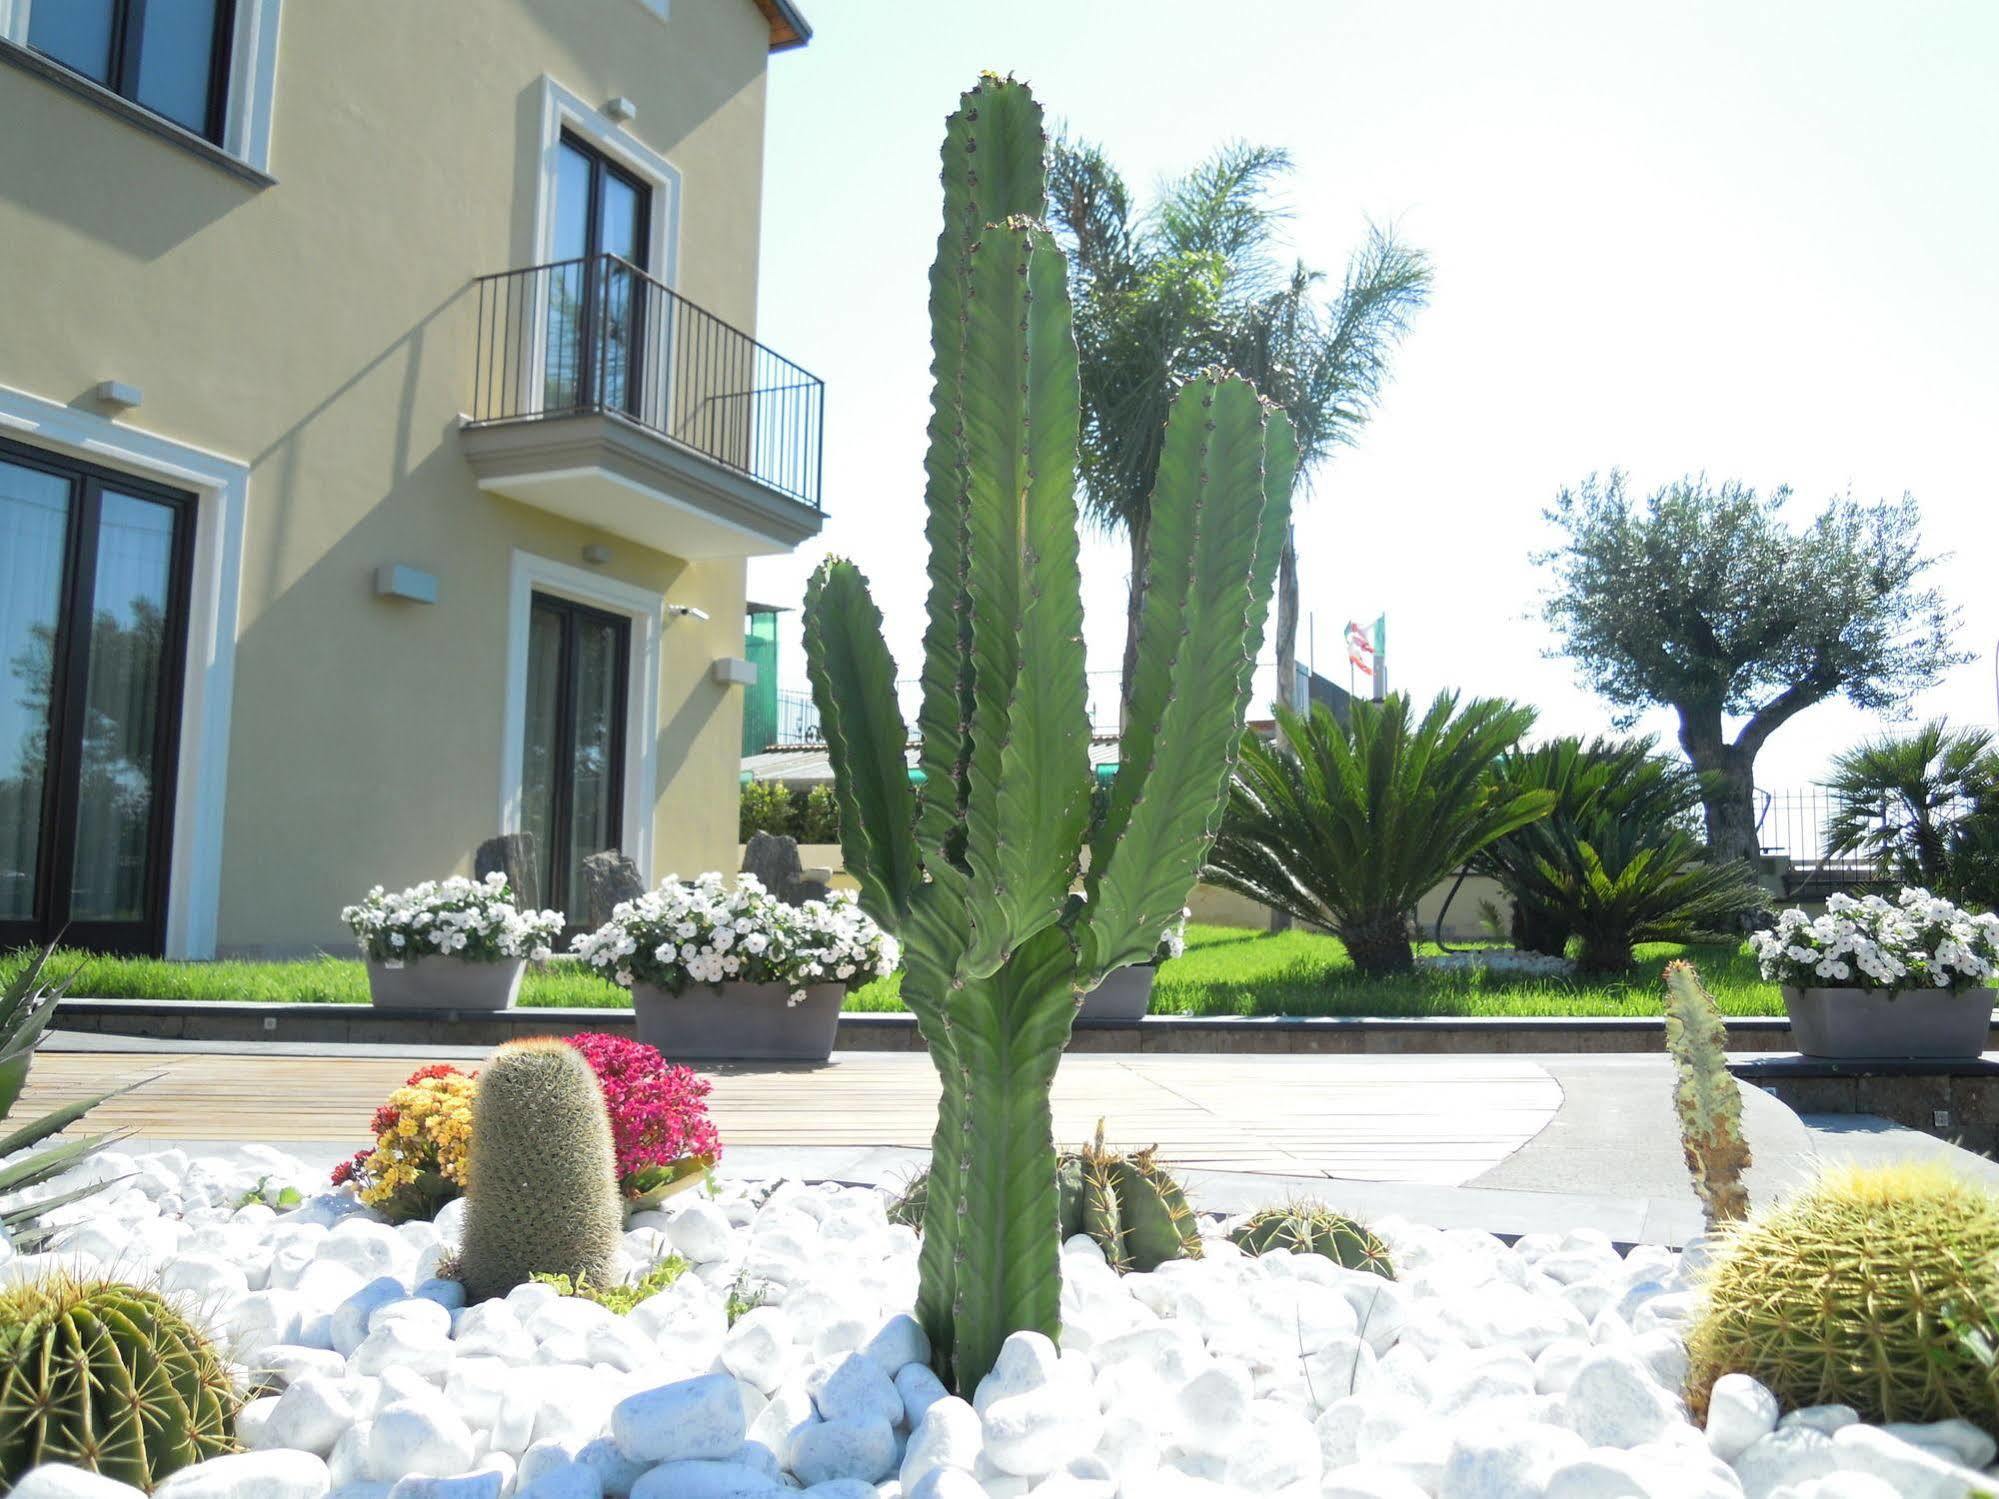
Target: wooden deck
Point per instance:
(1434, 1120)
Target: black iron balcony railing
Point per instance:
(598, 335)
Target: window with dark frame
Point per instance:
(170, 57)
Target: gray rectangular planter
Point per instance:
(738, 1022)
(1876, 1025)
(442, 983)
(1125, 994)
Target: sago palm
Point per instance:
(1615, 862)
(1347, 826)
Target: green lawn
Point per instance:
(1226, 971)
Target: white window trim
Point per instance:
(530, 574)
(562, 109)
(221, 487)
(253, 73)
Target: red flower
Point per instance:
(435, 1069)
(346, 1170)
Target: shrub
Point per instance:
(471, 919)
(763, 807)
(541, 1176)
(1916, 941)
(659, 1120)
(706, 933)
(1846, 1294)
(422, 1135)
(1313, 1228)
(623, 1297)
(110, 1378)
(1924, 808)
(817, 816)
(1346, 826)
(1615, 861)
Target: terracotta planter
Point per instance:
(746, 1022)
(1875, 1025)
(1125, 995)
(441, 983)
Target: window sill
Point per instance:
(91, 92)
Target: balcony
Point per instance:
(602, 395)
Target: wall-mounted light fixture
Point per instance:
(734, 671)
(118, 393)
(621, 110)
(396, 580)
(687, 611)
(596, 554)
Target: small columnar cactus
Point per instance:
(1849, 1293)
(1312, 1228)
(110, 1378)
(542, 1195)
(1706, 1096)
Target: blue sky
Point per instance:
(1760, 241)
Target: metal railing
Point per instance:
(598, 335)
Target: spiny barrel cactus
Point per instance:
(1848, 1294)
(974, 867)
(110, 1378)
(1310, 1228)
(1129, 1204)
(542, 1190)
(1706, 1095)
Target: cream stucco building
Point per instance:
(382, 438)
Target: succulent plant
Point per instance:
(1851, 1292)
(975, 871)
(1129, 1204)
(27, 1004)
(107, 1377)
(1706, 1096)
(1313, 1228)
(542, 1190)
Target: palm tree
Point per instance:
(1616, 862)
(1194, 281)
(1917, 806)
(1346, 826)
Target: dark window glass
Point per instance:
(172, 56)
(573, 760)
(76, 33)
(177, 60)
(34, 531)
(595, 310)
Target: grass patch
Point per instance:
(1226, 971)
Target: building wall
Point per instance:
(321, 331)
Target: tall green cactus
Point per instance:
(976, 871)
(1706, 1096)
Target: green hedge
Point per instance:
(771, 807)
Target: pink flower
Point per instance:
(658, 1116)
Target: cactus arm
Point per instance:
(1027, 801)
(1212, 518)
(853, 685)
(1706, 1096)
(992, 170)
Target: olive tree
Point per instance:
(1703, 598)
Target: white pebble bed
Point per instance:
(1548, 1370)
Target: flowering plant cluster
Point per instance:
(422, 1134)
(1916, 941)
(471, 919)
(706, 933)
(659, 1117)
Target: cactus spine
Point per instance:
(1309, 1228)
(110, 1378)
(542, 1190)
(975, 874)
(1706, 1096)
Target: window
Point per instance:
(94, 577)
(168, 56)
(573, 751)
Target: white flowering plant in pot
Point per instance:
(710, 932)
(475, 921)
(1918, 941)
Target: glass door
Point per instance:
(93, 621)
(596, 304)
(573, 760)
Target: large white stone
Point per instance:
(1372, 1481)
(312, 1413)
(854, 1388)
(847, 1448)
(1789, 1455)
(60, 1481)
(948, 1436)
(691, 1418)
(706, 1478)
(486, 1485)
(1913, 1472)
(1512, 1462)
(418, 1437)
(250, 1475)
(1614, 1402)
(919, 1389)
(1739, 1411)
(759, 1348)
(700, 1232)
